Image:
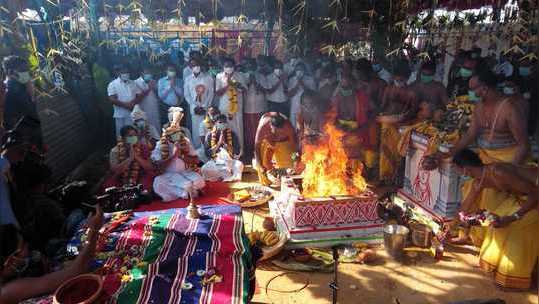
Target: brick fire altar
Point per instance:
(325, 221)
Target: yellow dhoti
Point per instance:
(511, 252)
(389, 155)
(277, 155)
(489, 198)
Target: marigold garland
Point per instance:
(214, 140)
(233, 99)
(131, 175)
(191, 162)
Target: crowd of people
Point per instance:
(183, 126)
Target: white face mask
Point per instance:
(196, 69)
(398, 83)
(220, 126)
(124, 76)
(24, 77)
(175, 137)
(228, 70)
(277, 72)
(171, 74)
(299, 74)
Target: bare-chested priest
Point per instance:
(275, 144)
(499, 129)
(509, 248)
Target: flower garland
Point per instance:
(131, 175)
(208, 123)
(233, 99)
(191, 162)
(214, 140)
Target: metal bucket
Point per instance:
(395, 239)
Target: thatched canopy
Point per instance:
(209, 9)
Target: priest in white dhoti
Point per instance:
(224, 151)
(150, 103)
(198, 92)
(178, 163)
(229, 88)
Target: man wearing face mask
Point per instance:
(350, 112)
(208, 123)
(124, 95)
(148, 134)
(498, 128)
(298, 83)
(188, 69)
(170, 89)
(275, 89)
(177, 160)
(428, 90)
(18, 101)
(130, 162)
(199, 92)
(459, 87)
(224, 151)
(255, 105)
(149, 104)
(229, 88)
(397, 99)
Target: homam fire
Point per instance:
(328, 170)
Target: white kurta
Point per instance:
(176, 182)
(190, 95)
(236, 124)
(150, 104)
(222, 168)
(295, 101)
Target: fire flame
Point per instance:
(326, 164)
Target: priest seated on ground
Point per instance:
(173, 112)
(148, 134)
(509, 246)
(275, 145)
(130, 162)
(177, 161)
(224, 150)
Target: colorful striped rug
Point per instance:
(162, 257)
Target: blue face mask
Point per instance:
(376, 67)
(472, 96)
(465, 73)
(147, 77)
(524, 71)
(426, 78)
(509, 91)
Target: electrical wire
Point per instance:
(305, 285)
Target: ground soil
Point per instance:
(415, 280)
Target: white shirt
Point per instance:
(385, 75)
(125, 92)
(221, 82)
(277, 96)
(176, 165)
(187, 72)
(255, 100)
(190, 90)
